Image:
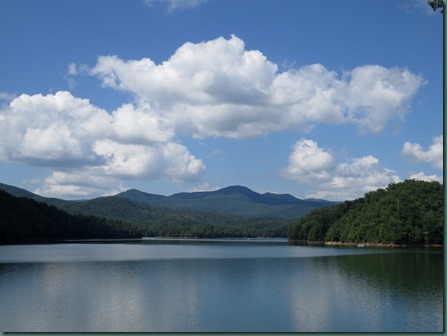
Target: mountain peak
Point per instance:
(236, 189)
(140, 196)
(231, 200)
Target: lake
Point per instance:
(222, 285)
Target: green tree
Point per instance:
(410, 212)
(436, 4)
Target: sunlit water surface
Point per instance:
(219, 286)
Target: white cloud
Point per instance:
(181, 165)
(169, 161)
(79, 184)
(434, 155)
(75, 70)
(218, 88)
(68, 135)
(213, 72)
(312, 165)
(428, 178)
(54, 143)
(308, 163)
(309, 94)
(51, 130)
(215, 88)
(205, 187)
(139, 125)
(174, 5)
(353, 179)
(376, 95)
(72, 69)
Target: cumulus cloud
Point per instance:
(353, 179)
(170, 161)
(376, 95)
(308, 162)
(51, 130)
(313, 165)
(86, 183)
(139, 125)
(218, 88)
(82, 143)
(207, 73)
(434, 155)
(428, 178)
(215, 88)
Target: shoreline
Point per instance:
(297, 242)
(332, 243)
(336, 243)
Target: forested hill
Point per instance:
(232, 200)
(133, 218)
(406, 213)
(24, 219)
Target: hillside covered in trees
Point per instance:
(406, 213)
(23, 219)
(26, 216)
(232, 200)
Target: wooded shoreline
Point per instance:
(363, 244)
(409, 213)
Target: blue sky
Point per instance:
(325, 100)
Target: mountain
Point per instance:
(158, 221)
(232, 200)
(129, 210)
(17, 192)
(24, 219)
(405, 213)
(142, 197)
(266, 198)
(234, 211)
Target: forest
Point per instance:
(23, 219)
(405, 213)
(246, 228)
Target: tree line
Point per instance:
(156, 221)
(246, 228)
(23, 219)
(410, 212)
(406, 213)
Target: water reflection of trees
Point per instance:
(400, 270)
(379, 292)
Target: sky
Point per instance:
(328, 99)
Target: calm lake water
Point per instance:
(219, 286)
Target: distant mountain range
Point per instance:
(232, 200)
(235, 211)
(409, 213)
